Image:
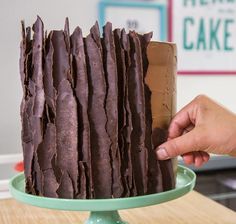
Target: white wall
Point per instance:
(12, 12)
(222, 88)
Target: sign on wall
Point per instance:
(205, 33)
(140, 16)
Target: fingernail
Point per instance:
(162, 154)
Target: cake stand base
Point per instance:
(106, 217)
(104, 211)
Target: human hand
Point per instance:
(200, 128)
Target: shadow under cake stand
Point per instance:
(104, 211)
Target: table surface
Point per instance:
(192, 208)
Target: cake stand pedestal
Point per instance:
(104, 211)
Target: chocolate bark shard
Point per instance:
(95, 34)
(27, 142)
(81, 92)
(50, 91)
(155, 183)
(68, 47)
(144, 41)
(37, 63)
(28, 152)
(121, 69)
(45, 153)
(66, 132)
(160, 136)
(125, 44)
(26, 108)
(137, 105)
(33, 106)
(47, 148)
(65, 189)
(100, 141)
(154, 171)
(36, 88)
(23, 56)
(110, 71)
(50, 184)
(38, 176)
(82, 181)
(66, 120)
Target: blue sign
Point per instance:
(141, 16)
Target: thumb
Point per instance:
(178, 146)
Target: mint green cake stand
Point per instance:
(104, 211)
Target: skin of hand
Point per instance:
(201, 127)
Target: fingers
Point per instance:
(183, 119)
(196, 158)
(177, 146)
(205, 156)
(188, 158)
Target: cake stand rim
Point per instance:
(111, 204)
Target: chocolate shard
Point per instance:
(37, 90)
(121, 69)
(38, 176)
(28, 152)
(123, 125)
(33, 105)
(23, 56)
(66, 132)
(137, 105)
(50, 91)
(95, 34)
(25, 110)
(37, 62)
(67, 33)
(159, 136)
(45, 154)
(81, 92)
(144, 41)
(47, 148)
(154, 172)
(100, 142)
(110, 71)
(82, 181)
(50, 185)
(27, 142)
(125, 44)
(65, 189)
(68, 47)
(66, 120)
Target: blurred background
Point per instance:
(205, 33)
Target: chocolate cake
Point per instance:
(93, 111)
